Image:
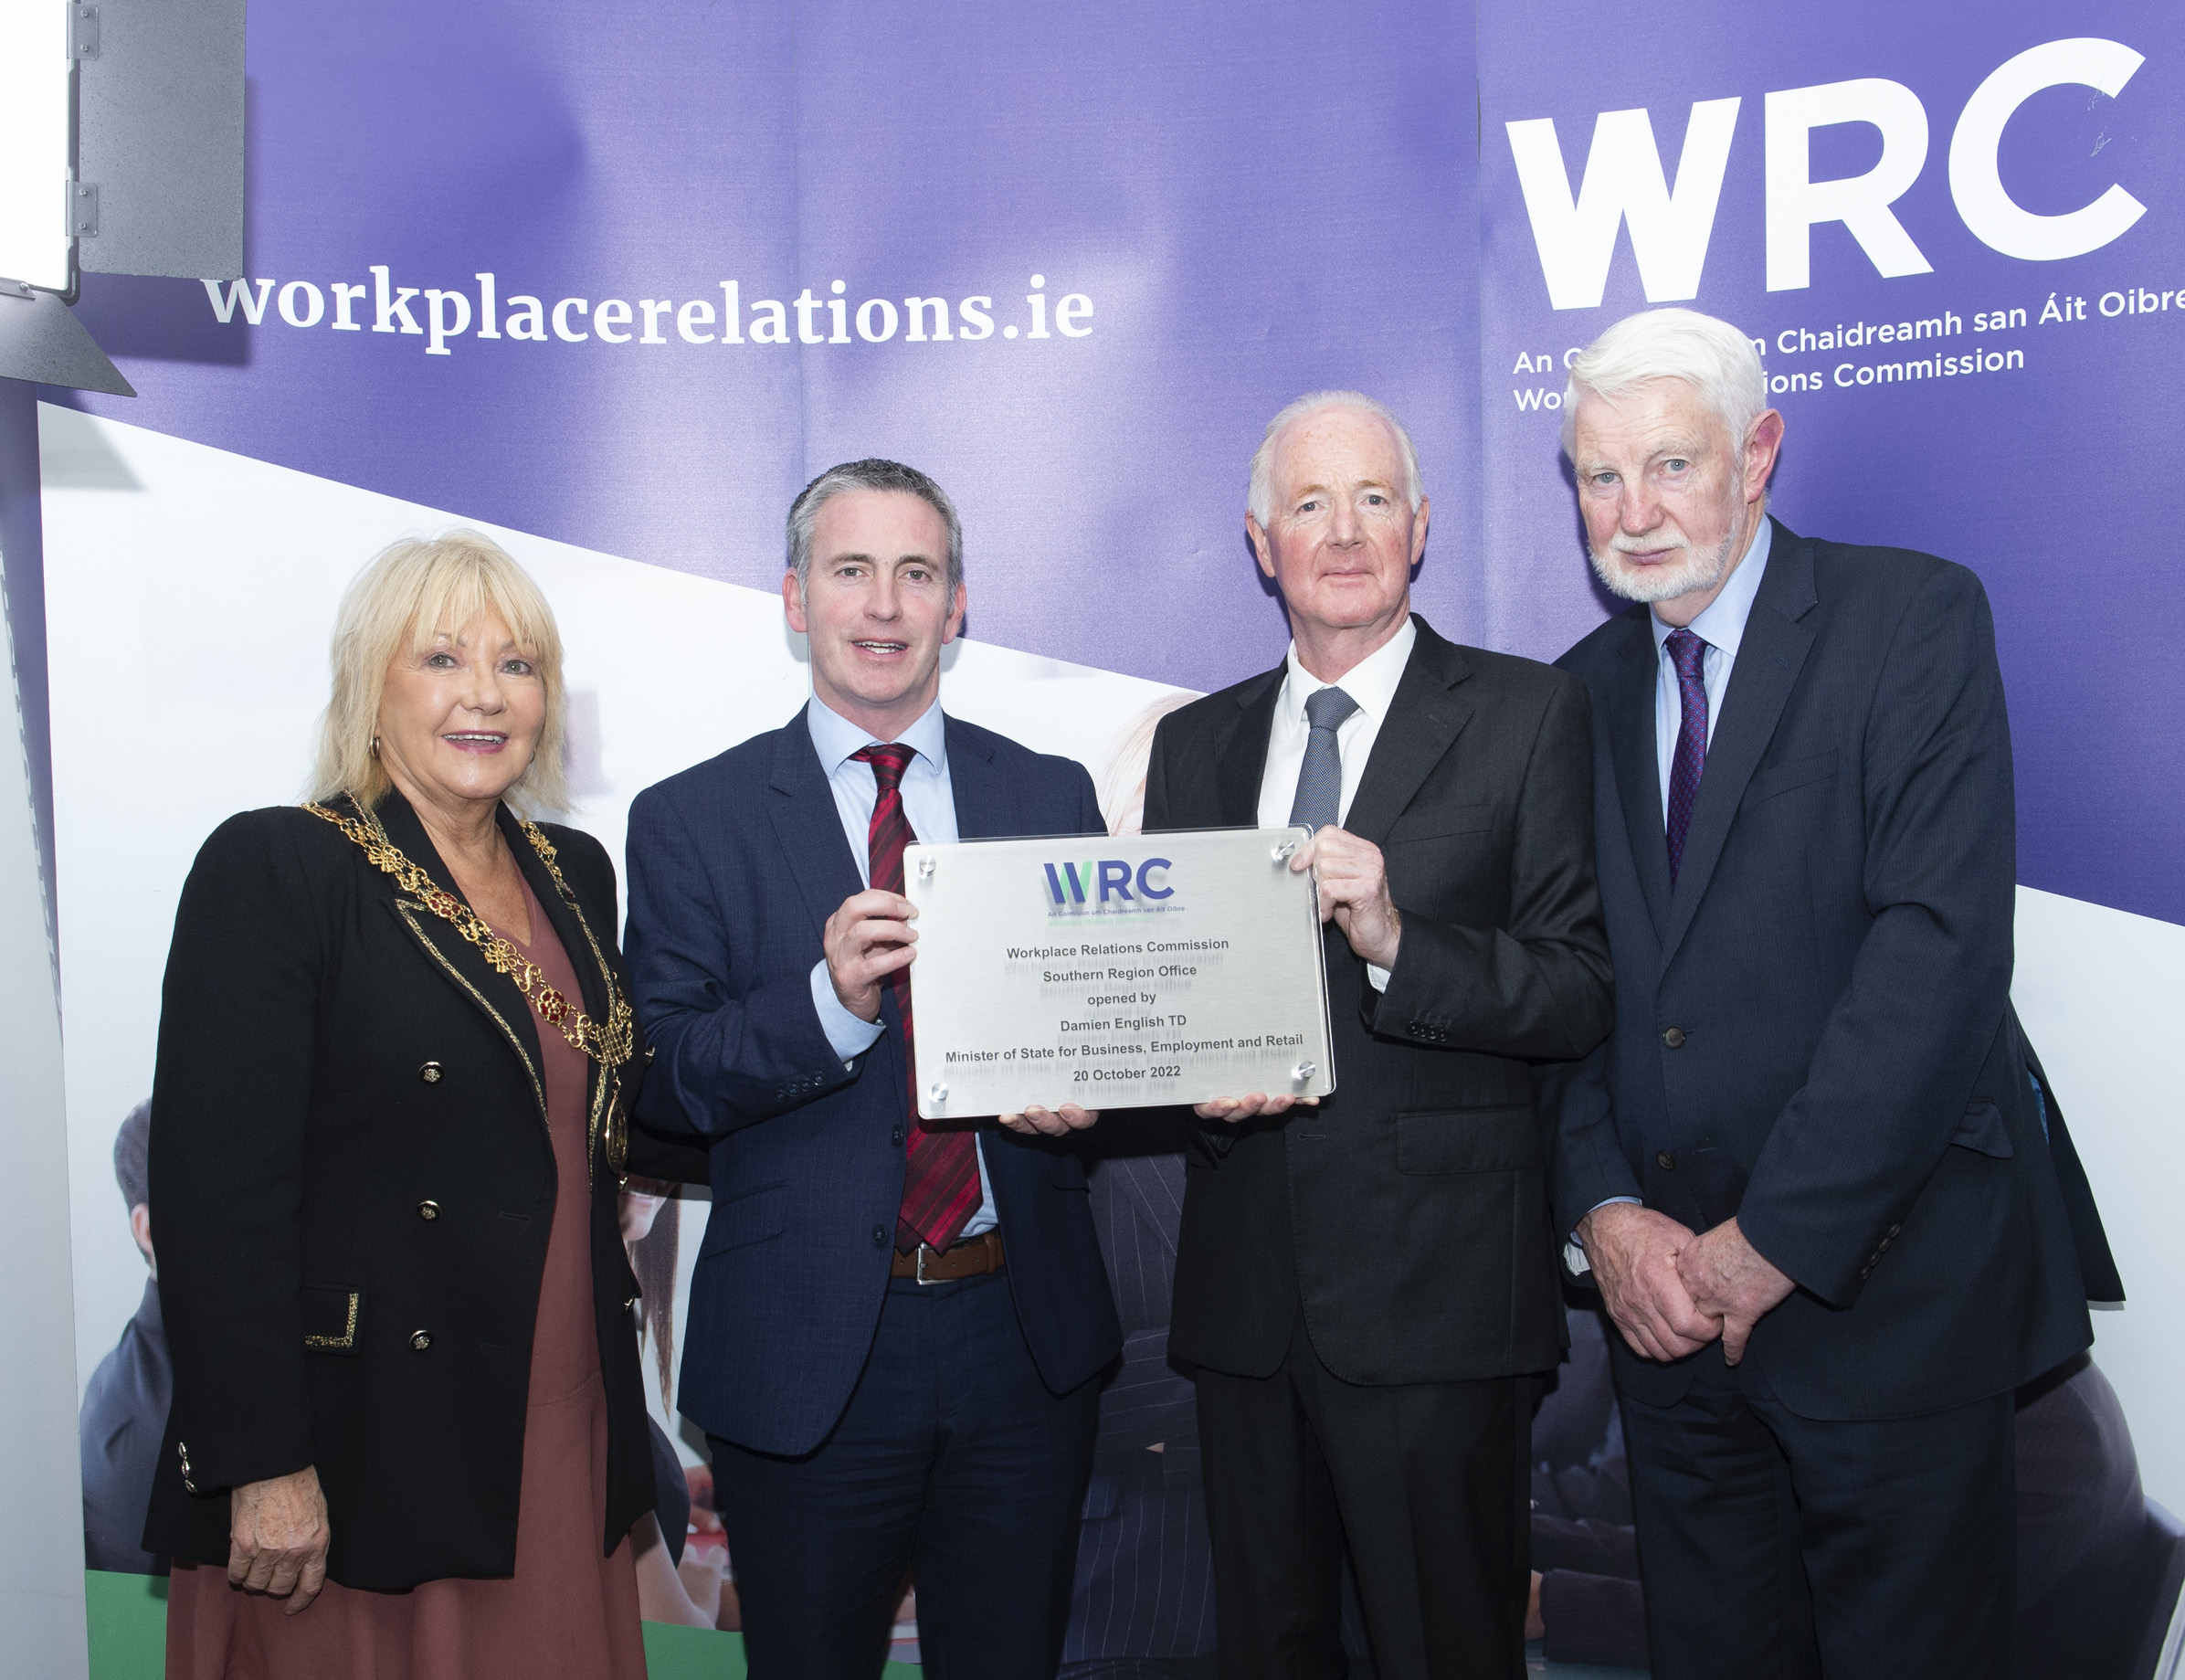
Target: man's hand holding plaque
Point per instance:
(1354, 894)
(868, 938)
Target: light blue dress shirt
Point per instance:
(1722, 627)
(929, 802)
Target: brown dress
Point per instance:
(568, 1611)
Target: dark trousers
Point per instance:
(953, 1462)
(1423, 1484)
(1773, 1545)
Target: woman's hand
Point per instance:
(277, 1538)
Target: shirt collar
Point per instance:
(835, 737)
(1723, 624)
(1371, 681)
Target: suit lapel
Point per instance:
(460, 962)
(1630, 712)
(986, 802)
(1769, 658)
(801, 806)
(1240, 761)
(1426, 716)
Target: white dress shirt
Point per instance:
(1372, 683)
(929, 803)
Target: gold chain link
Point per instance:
(609, 1045)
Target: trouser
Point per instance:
(953, 1464)
(1423, 1485)
(1773, 1545)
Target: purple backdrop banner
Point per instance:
(1963, 251)
(627, 278)
(630, 284)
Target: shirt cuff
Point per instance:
(1574, 1249)
(1377, 977)
(851, 1035)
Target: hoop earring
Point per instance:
(375, 747)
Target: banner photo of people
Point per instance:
(1676, 510)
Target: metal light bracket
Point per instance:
(82, 212)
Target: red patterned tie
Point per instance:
(940, 1179)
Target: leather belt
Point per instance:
(973, 1257)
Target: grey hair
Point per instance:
(1259, 496)
(1712, 356)
(872, 473)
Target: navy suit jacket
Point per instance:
(734, 866)
(1813, 1027)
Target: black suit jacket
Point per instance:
(1814, 1028)
(1406, 1216)
(332, 1058)
(734, 866)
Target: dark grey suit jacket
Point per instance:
(1407, 1216)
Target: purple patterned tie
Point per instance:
(1691, 755)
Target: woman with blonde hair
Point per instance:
(395, 1063)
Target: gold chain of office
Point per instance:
(610, 1045)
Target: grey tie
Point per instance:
(1320, 778)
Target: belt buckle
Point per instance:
(924, 1250)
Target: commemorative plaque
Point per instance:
(1116, 972)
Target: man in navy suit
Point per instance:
(894, 1331)
(1809, 1170)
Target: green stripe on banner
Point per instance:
(128, 1618)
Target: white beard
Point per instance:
(1698, 569)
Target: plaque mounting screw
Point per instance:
(936, 1094)
(925, 867)
(1282, 853)
(1303, 1071)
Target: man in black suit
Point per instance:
(895, 1328)
(1809, 1170)
(1363, 1285)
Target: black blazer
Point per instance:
(1814, 1028)
(352, 1187)
(1409, 1211)
(734, 866)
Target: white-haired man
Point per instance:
(1809, 1170)
(1363, 1286)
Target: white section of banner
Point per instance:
(190, 598)
(2098, 991)
(41, 1544)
